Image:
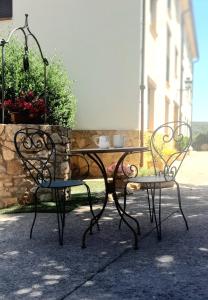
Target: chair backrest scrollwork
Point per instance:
(169, 145)
(37, 152)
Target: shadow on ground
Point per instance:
(109, 268)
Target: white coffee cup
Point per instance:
(102, 141)
(118, 141)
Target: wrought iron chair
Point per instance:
(173, 135)
(37, 152)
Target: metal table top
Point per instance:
(110, 150)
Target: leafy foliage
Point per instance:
(200, 135)
(61, 101)
(199, 127)
(182, 143)
(199, 141)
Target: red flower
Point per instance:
(27, 103)
(30, 94)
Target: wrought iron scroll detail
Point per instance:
(178, 135)
(129, 171)
(37, 152)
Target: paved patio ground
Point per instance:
(109, 268)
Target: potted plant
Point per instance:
(61, 102)
(26, 108)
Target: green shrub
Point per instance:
(199, 140)
(146, 171)
(182, 143)
(61, 101)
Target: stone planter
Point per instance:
(24, 118)
(17, 118)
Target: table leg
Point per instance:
(122, 212)
(111, 190)
(94, 157)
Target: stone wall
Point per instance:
(15, 184)
(84, 139)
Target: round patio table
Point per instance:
(110, 187)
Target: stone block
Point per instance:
(56, 138)
(8, 202)
(25, 198)
(46, 197)
(19, 181)
(2, 168)
(4, 194)
(9, 145)
(10, 131)
(14, 167)
(66, 139)
(82, 143)
(2, 126)
(7, 154)
(60, 149)
(8, 184)
(64, 168)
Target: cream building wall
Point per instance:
(99, 42)
(155, 61)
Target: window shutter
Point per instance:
(5, 9)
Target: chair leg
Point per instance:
(130, 227)
(64, 207)
(157, 223)
(180, 206)
(60, 211)
(91, 208)
(89, 229)
(35, 214)
(122, 212)
(124, 207)
(160, 224)
(124, 216)
(93, 221)
(149, 205)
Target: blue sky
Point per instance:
(200, 84)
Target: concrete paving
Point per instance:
(109, 268)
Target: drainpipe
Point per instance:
(142, 86)
(193, 63)
(182, 54)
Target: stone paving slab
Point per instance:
(109, 268)
(175, 268)
(40, 268)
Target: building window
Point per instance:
(167, 106)
(5, 9)
(168, 56)
(151, 104)
(176, 112)
(176, 63)
(169, 7)
(153, 17)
